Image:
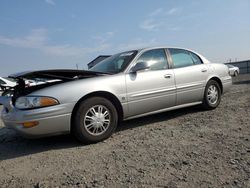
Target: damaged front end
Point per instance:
(26, 113)
(28, 82)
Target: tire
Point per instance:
(212, 95)
(235, 73)
(94, 120)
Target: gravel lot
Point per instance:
(182, 148)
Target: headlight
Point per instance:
(34, 102)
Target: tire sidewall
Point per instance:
(78, 124)
(206, 102)
(235, 73)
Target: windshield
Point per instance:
(116, 63)
(230, 66)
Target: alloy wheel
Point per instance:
(97, 120)
(212, 94)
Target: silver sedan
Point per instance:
(90, 104)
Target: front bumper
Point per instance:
(51, 120)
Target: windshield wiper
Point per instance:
(97, 72)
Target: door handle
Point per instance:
(167, 76)
(203, 70)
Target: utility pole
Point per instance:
(76, 66)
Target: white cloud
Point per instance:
(157, 19)
(104, 37)
(172, 11)
(51, 2)
(174, 28)
(156, 12)
(38, 39)
(35, 39)
(150, 25)
(110, 33)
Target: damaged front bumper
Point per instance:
(51, 120)
(44, 121)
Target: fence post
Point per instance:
(248, 68)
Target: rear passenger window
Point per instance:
(195, 58)
(181, 58)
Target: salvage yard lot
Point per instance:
(182, 148)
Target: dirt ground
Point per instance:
(181, 148)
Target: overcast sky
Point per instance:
(45, 34)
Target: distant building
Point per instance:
(97, 60)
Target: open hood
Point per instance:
(46, 78)
(63, 74)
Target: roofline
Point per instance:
(205, 60)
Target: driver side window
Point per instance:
(156, 59)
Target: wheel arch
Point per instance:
(111, 97)
(218, 80)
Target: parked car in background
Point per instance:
(8, 89)
(7, 82)
(233, 70)
(34, 82)
(127, 85)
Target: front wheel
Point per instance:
(212, 95)
(95, 119)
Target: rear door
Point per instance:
(190, 75)
(152, 89)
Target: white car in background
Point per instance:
(7, 82)
(29, 83)
(233, 70)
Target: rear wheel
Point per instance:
(235, 73)
(212, 95)
(95, 120)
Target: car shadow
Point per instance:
(155, 118)
(13, 145)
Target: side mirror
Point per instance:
(139, 66)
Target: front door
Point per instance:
(153, 89)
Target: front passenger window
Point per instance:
(156, 59)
